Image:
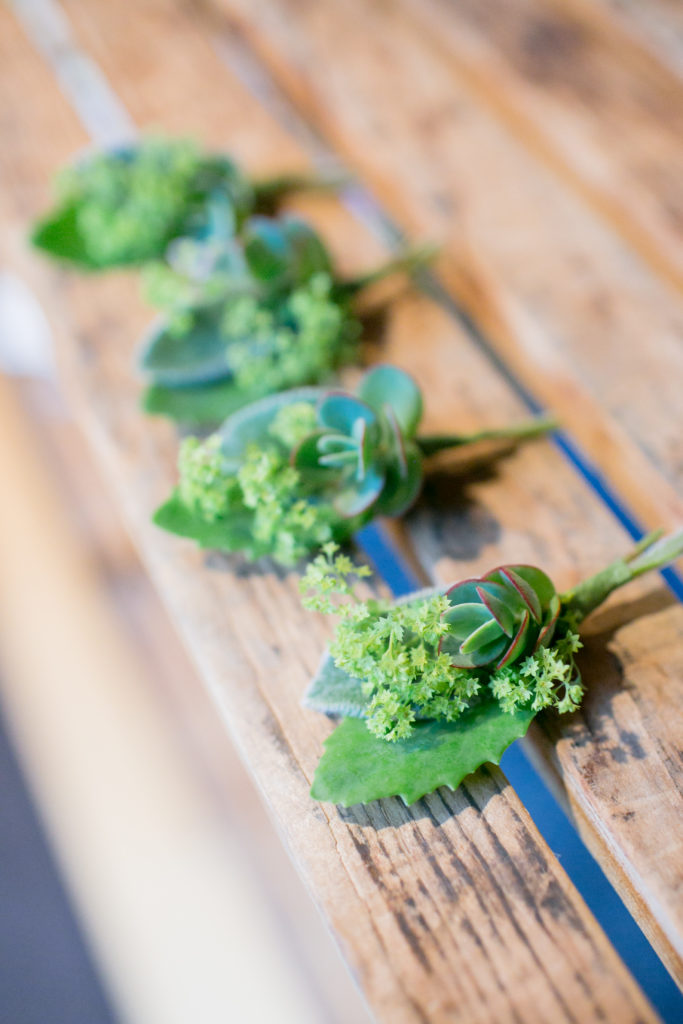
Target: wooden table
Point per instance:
(538, 142)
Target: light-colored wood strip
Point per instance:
(573, 534)
(227, 797)
(657, 24)
(603, 113)
(181, 925)
(582, 302)
(494, 901)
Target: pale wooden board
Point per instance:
(568, 302)
(494, 901)
(353, 116)
(657, 24)
(602, 112)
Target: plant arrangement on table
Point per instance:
(301, 468)
(259, 314)
(433, 686)
(251, 304)
(124, 206)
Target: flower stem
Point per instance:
(406, 262)
(652, 552)
(268, 190)
(530, 428)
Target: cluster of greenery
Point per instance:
(431, 687)
(123, 207)
(397, 652)
(255, 503)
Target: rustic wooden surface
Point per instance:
(567, 302)
(390, 878)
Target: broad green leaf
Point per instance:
(196, 355)
(58, 235)
(222, 535)
(201, 405)
(357, 767)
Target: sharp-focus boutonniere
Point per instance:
(245, 318)
(125, 206)
(291, 472)
(437, 684)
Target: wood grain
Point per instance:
(657, 24)
(572, 303)
(458, 880)
(602, 112)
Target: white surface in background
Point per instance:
(26, 348)
(84, 85)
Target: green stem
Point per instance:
(652, 552)
(521, 431)
(269, 190)
(406, 262)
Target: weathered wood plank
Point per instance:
(571, 302)
(472, 536)
(487, 930)
(657, 24)
(601, 111)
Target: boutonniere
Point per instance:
(435, 685)
(125, 206)
(291, 472)
(261, 312)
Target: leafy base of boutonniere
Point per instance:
(439, 683)
(207, 362)
(357, 767)
(199, 405)
(239, 492)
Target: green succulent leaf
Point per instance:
(308, 255)
(388, 385)
(195, 354)
(266, 248)
(357, 767)
(401, 490)
(252, 422)
(359, 495)
(340, 411)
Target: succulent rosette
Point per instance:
(440, 682)
(495, 620)
(292, 471)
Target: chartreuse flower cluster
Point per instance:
(449, 677)
(293, 471)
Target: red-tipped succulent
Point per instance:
(498, 618)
